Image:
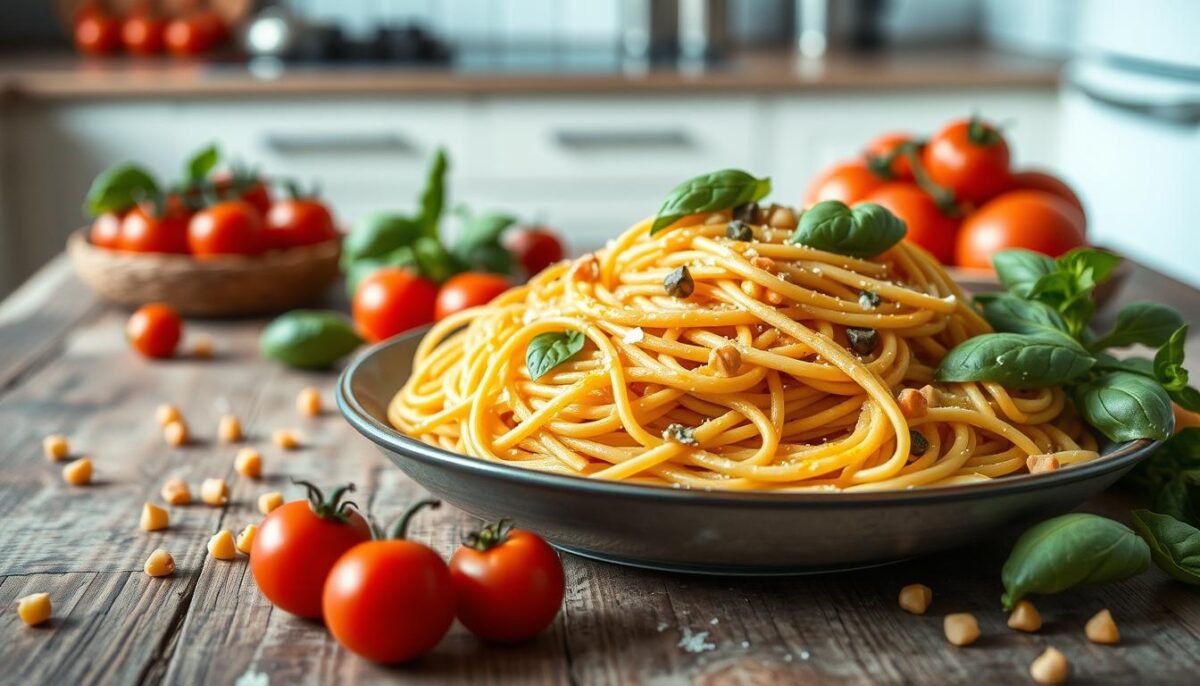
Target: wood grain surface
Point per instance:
(64, 368)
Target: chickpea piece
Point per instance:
(269, 501)
(214, 492)
(1102, 629)
(286, 439)
(153, 518)
(167, 413)
(34, 608)
(961, 628)
(912, 403)
(308, 402)
(1040, 464)
(175, 433)
(248, 463)
(160, 563)
(79, 472)
(203, 348)
(915, 598)
(176, 492)
(1050, 668)
(245, 539)
(221, 545)
(56, 447)
(229, 429)
(725, 360)
(1025, 617)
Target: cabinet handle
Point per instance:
(1181, 112)
(594, 140)
(329, 143)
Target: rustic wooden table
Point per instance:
(65, 368)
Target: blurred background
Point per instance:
(582, 114)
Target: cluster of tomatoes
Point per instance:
(390, 599)
(958, 195)
(142, 32)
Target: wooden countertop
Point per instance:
(50, 77)
(64, 367)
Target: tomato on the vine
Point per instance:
(1033, 220)
(928, 226)
(229, 185)
(969, 157)
(848, 182)
(188, 36)
(389, 600)
(154, 330)
(1042, 181)
(534, 248)
(227, 228)
(509, 583)
(106, 231)
(391, 301)
(299, 221)
(470, 289)
(885, 150)
(144, 231)
(97, 33)
(299, 542)
(142, 34)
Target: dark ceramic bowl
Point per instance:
(713, 532)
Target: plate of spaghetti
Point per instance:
(735, 388)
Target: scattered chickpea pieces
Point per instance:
(285, 439)
(1102, 629)
(308, 402)
(56, 447)
(214, 492)
(1040, 464)
(915, 598)
(221, 545)
(725, 360)
(160, 563)
(912, 403)
(79, 472)
(229, 429)
(34, 608)
(245, 538)
(203, 348)
(782, 218)
(176, 492)
(1050, 668)
(166, 413)
(248, 463)
(961, 628)
(1025, 617)
(176, 433)
(154, 517)
(269, 501)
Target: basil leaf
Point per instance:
(376, 235)
(548, 350)
(1174, 545)
(1054, 288)
(201, 164)
(1146, 323)
(719, 190)
(1072, 550)
(864, 231)
(362, 268)
(1018, 270)
(1089, 265)
(1180, 497)
(1133, 365)
(309, 339)
(433, 261)
(1125, 406)
(1007, 312)
(433, 198)
(118, 188)
(1016, 360)
(1187, 397)
(1168, 361)
(478, 243)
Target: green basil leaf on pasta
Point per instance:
(719, 190)
(1019, 270)
(1125, 406)
(865, 230)
(1174, 545)
(1146, 323)
(309, 339)
(548, 350)
(1009, 313)
(1016, 360)
(1072, 550)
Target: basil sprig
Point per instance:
(1072, 550)
(719, 190)
(1174, 545)
(548, 350)
(865, 230)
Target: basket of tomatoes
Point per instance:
(217, 243)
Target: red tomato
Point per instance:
(970, 158)
(1034, 220)
(509, 584)
(392, 300)
(154, 330)
(142, 231)
(227, 228)
(251, 190)
(928, 227)
(535, 248)
(1042, 181)
(299, 542)
(884, 146)
(848, 182)
(471, 289)
(142, 34)
(303, 221)
(389, 600)
(188, 36)
(213, 25)
(97, 33)
(106, 231)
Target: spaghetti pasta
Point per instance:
(779, 371)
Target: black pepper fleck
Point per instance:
(749, 212)
(739, 230)
(680, 434)
(868, 300)
(679, 283)
(862, 341)
(919, 443)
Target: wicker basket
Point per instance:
(220, 287)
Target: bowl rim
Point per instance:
(385, 436)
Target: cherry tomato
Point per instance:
(535, 248)
(213, 25)
(154, 330)
(106, 231)
(97, 33)
(142, 34)
(969, 158)
(253, 191)
(1034, 220)
(389, 600)
(188, 36)
(227, 228)
(848, 182)
(928, 227)
(1042, 181)
(885, 146)
(392, 300)
(299, 542)
(471, 289)
(142, 231)
(301, 221)
(509, 583)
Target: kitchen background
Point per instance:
(581, 114)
